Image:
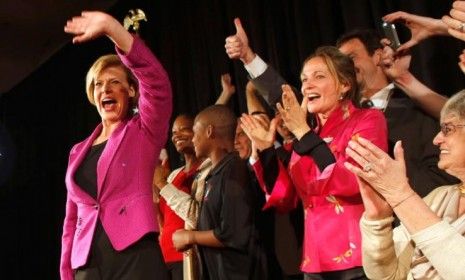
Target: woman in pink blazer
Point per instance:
(109, 230)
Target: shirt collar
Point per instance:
(381, 98)
(223, 162)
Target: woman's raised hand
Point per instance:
(88, 26)
(93, 24)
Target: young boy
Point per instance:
(226, 234)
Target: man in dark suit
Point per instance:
(405, 120)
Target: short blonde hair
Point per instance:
(102, 63)
(455, 106)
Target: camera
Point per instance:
(390, 32)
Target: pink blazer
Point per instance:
(124, 171)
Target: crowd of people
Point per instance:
(359, 173)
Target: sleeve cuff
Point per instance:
(256, 67)
(270, 167)
(168, 191)
(376, 224)
(311, 144)
(252, 161)
(437, 231)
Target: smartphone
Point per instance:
(390, 32)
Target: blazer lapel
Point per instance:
(109, 153)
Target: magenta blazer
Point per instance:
(124, 171)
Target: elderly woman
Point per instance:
(109, 229)
(429, 244)
(329, 192)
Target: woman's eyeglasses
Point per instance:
(449, 128)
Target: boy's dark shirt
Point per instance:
(228, 209)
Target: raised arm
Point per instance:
(266, 79)
(396, 66)
(227, 89)
(237, 45)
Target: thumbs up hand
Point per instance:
(237, 45)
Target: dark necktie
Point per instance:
(367, 103)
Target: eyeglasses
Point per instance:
(449, 128)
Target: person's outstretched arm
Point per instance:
(395, 65)
(265, 78)
(227, 89)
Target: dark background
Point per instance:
(44, 111)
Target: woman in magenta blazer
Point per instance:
(109, 230)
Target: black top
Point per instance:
(86, 174)
(228, 209)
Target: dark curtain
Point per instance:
(48, 112)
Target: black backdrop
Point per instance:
(48, 111)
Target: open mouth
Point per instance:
(313, 96)
(108, 103)
(179, 142)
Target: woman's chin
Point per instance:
(110, 117)
(312, 109)
(113, 115)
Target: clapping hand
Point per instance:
(385, 175)
(258, 131)
(293, 114)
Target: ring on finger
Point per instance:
(461, 27)
(367, 168)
